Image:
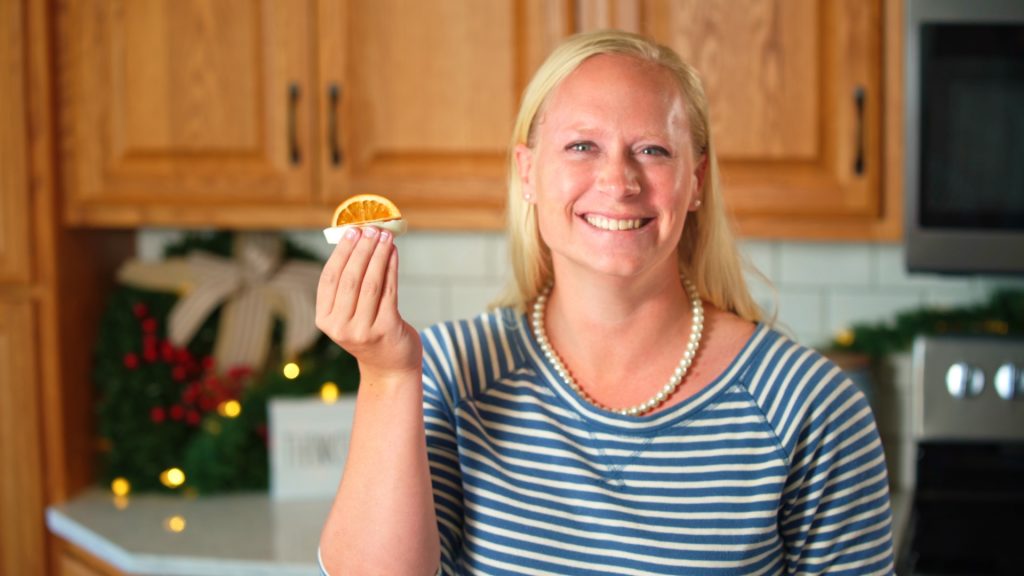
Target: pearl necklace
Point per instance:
(664, 393)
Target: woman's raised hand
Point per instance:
(357, 305)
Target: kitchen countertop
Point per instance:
(168, 535)
(226, 535)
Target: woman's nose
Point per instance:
(618, 176)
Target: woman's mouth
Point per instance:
(615, 224)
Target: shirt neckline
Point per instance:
(602, 418)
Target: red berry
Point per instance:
(166, 351)
(207, 403)
(192, 418)
(178, 373)
(191, 394)
(208, 362)
(177, 412)
(149, 325)
(140, 310)
(183, 355)
(157, 414)
(131, 361)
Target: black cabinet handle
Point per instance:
(334, 97)
(859, 97)
(293, 139)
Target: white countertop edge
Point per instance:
(87, 540)
(145, 564)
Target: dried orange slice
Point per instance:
(365, 210)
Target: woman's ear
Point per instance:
(524, 168)
(697, 181)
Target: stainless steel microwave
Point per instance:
(964, 129)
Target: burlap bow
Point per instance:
(254, 286)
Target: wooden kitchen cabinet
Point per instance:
(265, 114)
(169, 108)
(22, 492)
(797, 92)
(52, 285)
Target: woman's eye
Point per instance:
(580, 147)
(654, 151)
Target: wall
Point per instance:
(820, 288)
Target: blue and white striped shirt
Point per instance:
(775, 467)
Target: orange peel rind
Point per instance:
(365, 210)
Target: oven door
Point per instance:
(967, 510)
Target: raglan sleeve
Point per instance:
(440, 396)
(836, 516)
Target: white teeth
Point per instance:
(612, 224)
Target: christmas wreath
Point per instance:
(180, 405)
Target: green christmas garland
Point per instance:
(1001, 315)
(161, 407)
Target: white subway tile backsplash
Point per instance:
(149, 247)
(766, 296)
(848, 307)
(816, 288)
(446, 255)
(467, 299)
(954, 295)
(891, 271)
(501, 266)
(820, 264)
(802, 310)
(763, 256)
(423, 302)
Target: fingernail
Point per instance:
(351, 233)
(370, 232)
(385, 235)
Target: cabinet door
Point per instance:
(794, 88)
(14, 209)
(22, 539)
(169, 105)
(427, 94)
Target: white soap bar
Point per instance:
(396, 227)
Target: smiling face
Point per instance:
(611, 170)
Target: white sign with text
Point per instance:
(308, 445)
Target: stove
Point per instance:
(967, 403)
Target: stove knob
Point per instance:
(1009, 381)
(964, 380)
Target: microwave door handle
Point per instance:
(859, 96)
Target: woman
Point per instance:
(624, 412)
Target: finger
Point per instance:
(351, 281)
(389, 296)
(327, 288)
(373, 281)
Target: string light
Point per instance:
(175, 523)
(172, 477)
(291, 371)
(329, 393)
(229, 409)
(121, 486)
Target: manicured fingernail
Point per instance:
(351, 233)
(370, 232)
(385, 235)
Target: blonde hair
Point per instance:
(707, 250)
